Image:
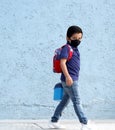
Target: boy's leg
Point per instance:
(74, 95)
(64, 102)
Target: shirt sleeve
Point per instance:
(64, 52)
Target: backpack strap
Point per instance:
(70, 51)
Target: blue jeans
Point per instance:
(73, 94)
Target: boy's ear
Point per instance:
(67, 38)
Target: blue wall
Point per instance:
(30, 31)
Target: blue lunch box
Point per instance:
(58, 91)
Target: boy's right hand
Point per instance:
(69, 81)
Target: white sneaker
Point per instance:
(85, 127)
(56, 125)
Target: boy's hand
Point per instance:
(69, 81)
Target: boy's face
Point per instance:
(76, 36)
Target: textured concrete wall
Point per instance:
(30, 31)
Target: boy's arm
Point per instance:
(69, 80)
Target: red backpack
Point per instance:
(56, 58)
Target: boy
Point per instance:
(69, 79)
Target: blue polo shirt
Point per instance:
(73, 65)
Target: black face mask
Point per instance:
(75, 43)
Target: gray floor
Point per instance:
(43, 125)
